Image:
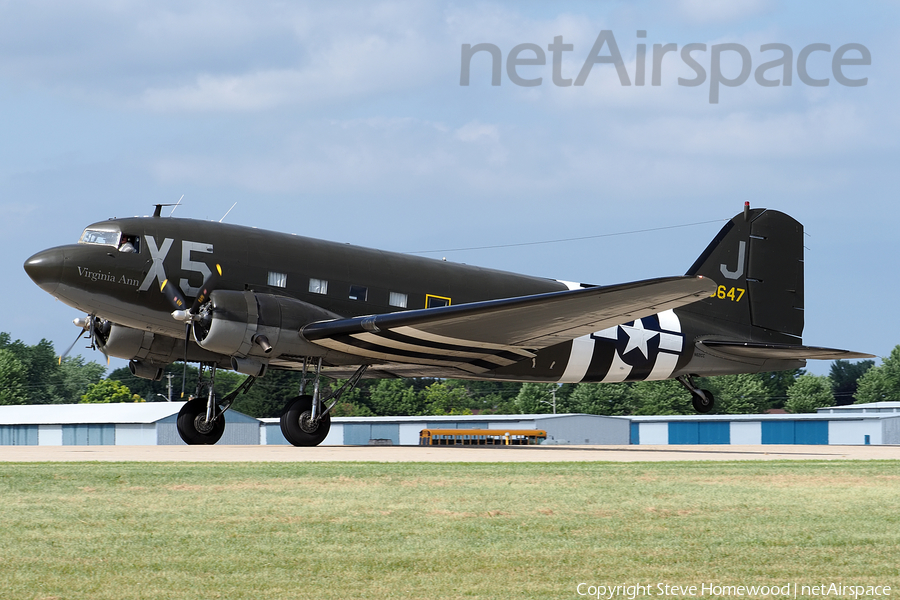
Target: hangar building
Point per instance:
(154, 423)
(122, 424)
(820, 428)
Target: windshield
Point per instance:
(96, 236)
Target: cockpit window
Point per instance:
(104, 238)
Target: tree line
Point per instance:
(35, 375)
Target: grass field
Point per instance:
(371, 530)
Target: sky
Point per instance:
(349, 121)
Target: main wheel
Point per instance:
(296, 425)
(703, 401)
(193, 427)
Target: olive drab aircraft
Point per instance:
(156, 290)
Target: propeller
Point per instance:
(96, 329)
(176, 298)
(84, 324)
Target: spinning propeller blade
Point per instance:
(69, 349)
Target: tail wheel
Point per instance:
(297, 426)
(193, 427)
(703, 401)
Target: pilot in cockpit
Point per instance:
(128, 245)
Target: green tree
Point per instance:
(12, 379)
(808, 393)
(601, 399)
(881, 383)
(107, 391)
(72, 377)
(744, 393)
(667, 397)
(394, 397)
(447, 398)
(777, 384)
(535, 398)
(490, 396)
(845, 377)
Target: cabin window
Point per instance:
(359, 292)
(318, 286)
(398, 299)
(277, 279)
(436, 301)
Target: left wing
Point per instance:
(481, 336)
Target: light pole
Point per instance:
(552, 393)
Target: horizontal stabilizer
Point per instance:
(779, 351)
(486, 335)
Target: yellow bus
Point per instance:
(481, 437)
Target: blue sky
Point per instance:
(347, 121)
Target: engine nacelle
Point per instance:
(245, 324)
(126, 342)
(146, 348)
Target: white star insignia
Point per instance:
(638, 337)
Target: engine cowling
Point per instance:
(242, 324)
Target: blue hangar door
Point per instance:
(813, 433)
(699, 432)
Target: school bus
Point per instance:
(481, 437)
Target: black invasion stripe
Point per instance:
(602, 359)
(511, 356)
(387, 350)
(485, 365)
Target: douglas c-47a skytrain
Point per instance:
(253, 300)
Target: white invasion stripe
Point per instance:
(389, 343)
(664, 366)
(570, 284)
(431, 337)
(619, 370)
(579, 359)
(349, 349)
(670, 342)
(668, 320)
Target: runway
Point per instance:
(536, 454)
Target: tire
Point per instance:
(292, 423)
(191, 421)
(703, 401)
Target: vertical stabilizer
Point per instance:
(757, 262)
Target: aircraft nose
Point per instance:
(45, 268)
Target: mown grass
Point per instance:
(370, 530)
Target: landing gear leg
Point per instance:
(202, 420)
(306, 420)
(702, 400)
